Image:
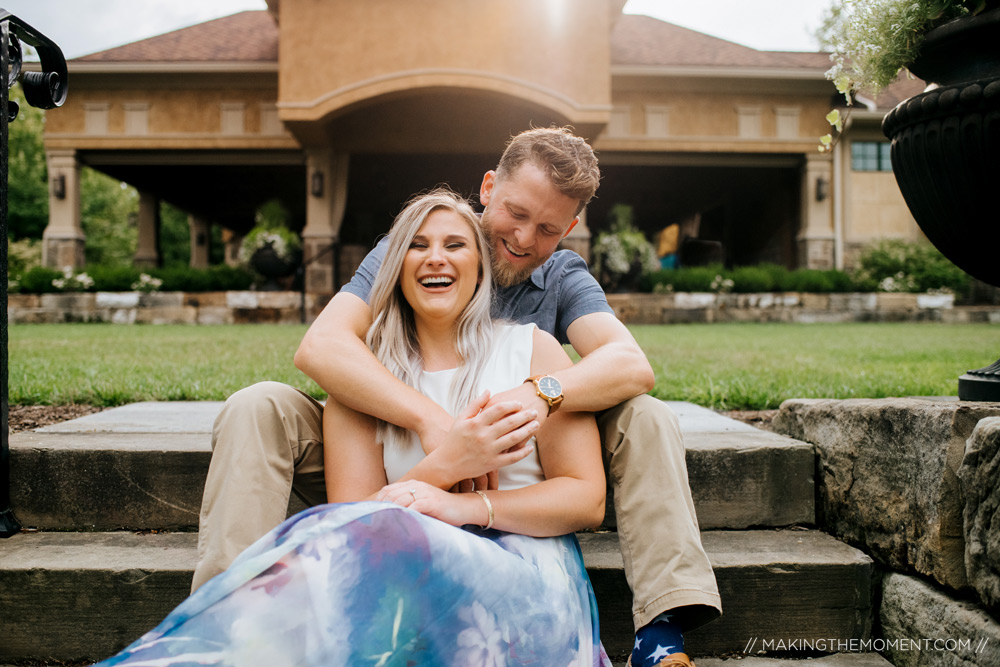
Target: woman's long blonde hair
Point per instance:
(393, 337)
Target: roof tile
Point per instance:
(250, 36)
(643, 40)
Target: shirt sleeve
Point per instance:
(363, 279)
(579, 294)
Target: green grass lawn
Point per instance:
(723, 366)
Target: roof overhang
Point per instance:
(77, 67)
(717, 72)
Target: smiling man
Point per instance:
(268, 438)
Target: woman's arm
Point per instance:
(569, 499)
(352, 459)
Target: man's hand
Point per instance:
(487, 436)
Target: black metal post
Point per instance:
(45, 90)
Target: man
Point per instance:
(268, 438)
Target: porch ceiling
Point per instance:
(222, 187)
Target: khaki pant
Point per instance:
(268, 442)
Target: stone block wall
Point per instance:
(915, 484)
(688, 307)
(237, 307)
(682, 307)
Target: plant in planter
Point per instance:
(271, 249)
(872, 41)
(623, 254)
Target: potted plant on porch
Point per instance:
(271, 249)
(622, 255)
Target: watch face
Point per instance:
(549, 386)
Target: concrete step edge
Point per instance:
(739, 479)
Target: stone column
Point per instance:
(200, 241)
(578, 239)
(326, 188)
(147, 251)
(816, 233)
(63, 238)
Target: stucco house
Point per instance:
(343, 109)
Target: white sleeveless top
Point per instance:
(508, 366)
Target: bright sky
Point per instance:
(80, 27)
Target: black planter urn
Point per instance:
(946, 143)
(266, 261)
(946, 156)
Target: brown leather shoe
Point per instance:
(672, 660)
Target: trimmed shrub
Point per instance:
(894, 265)
(748, 279)
(821, 282)
(220, 278)
(113, 278)
(689, 279)
(38, 280)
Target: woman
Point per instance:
(394, 579)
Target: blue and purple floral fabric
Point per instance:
(374, 584)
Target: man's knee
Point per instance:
(268, 411)
(642, 415)
(265, 396)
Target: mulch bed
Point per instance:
(28, 417)
(759, 418)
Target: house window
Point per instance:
(136, 117)
(657, 121)
(233, 117)
(786, 122)
(870, 156)
(95, 118)
(620, 122)
(748, 122)
(270, 125)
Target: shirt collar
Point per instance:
(537, 277)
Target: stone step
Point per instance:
(68, 596)
(143, 466)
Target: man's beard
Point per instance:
(504, 274)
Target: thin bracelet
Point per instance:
(489, 508)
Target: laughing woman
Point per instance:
(398, 570)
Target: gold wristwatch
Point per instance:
(549, 389)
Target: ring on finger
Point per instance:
(413, 492)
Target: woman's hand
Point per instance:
(484, 439)
(457, 509)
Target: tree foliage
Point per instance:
(108, 214)
(27, 187)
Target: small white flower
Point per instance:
(722, 285)
(482, 643)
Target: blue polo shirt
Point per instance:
(553, 296)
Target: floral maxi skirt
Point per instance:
(374, 584)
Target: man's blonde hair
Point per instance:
(567, 160)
